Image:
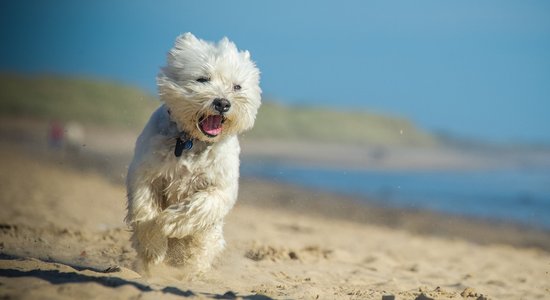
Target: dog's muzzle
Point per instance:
(212, 125)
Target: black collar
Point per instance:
(183, 140)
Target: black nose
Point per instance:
(221, 105)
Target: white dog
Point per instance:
(183, 178)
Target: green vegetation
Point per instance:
(327, 125)
(79, 99)
(113, 104)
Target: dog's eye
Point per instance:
(236, 87)
(203, 79)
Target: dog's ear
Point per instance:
(186, 48)
(188, 36)
(186, 39)
(225, 43)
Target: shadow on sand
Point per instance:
(57, 277)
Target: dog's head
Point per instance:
(212, 90)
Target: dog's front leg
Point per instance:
(147, 236)
(197, 213)
(149, 241)
(198, 221)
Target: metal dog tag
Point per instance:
(182, 145)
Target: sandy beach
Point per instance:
(62, 236)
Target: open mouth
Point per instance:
(211, 125)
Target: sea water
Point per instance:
(519, 195)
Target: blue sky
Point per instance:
(473, 68)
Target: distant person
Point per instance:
(55, 135)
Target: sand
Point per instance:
(62, 237)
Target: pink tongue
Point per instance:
(212, 125)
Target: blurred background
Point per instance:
(439, 106)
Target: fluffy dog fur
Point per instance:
(176, 205)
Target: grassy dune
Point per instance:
(326, 125)
(79, 99)
(114, 104)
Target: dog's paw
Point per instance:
(154, 250)
(150, 243)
